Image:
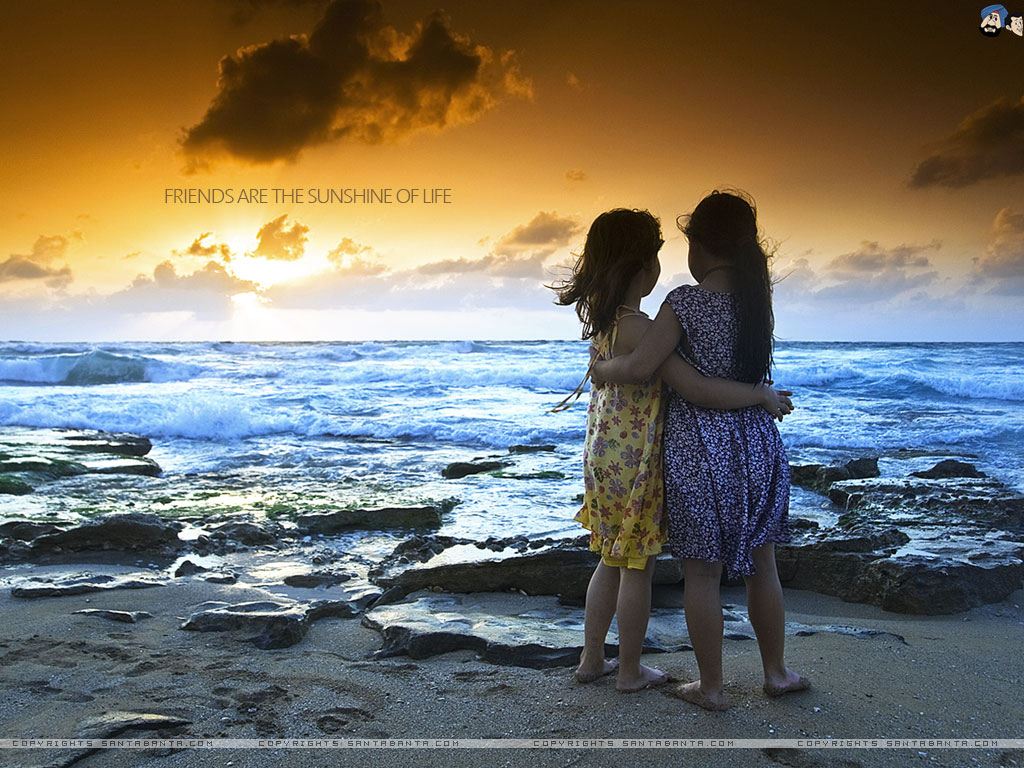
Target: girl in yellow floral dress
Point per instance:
(623, 505)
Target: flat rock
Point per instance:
(128, 617)
(81, 583)
(124, 531)
(122, 466)
(277, 624)
(530, 448)
(534, 632)
(120, 443)
(370, 519)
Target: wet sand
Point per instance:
(955, 676)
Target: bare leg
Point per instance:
(767, 611)
(703, 607)
(601, 596)
(633, 611)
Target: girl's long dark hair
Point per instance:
(725, 224)
(619, 244)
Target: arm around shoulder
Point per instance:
(655, 346)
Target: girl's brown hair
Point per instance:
(619, 244)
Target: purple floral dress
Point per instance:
(726, 472)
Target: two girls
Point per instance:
(624, 499)
(726, 472)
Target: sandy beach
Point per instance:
(954, 676)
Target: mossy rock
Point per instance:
(15, 486)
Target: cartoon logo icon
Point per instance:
(1016, 25)
(992, 19)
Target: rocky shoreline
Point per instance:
(937, 540)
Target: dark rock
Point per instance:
(243, 532)
(371, 519)
(560, 570)
(553, 572)
(863, 467)
(804, 475)
(222, 577)
(188, 568)
(316, 579)
(128, 617)
(906, 583)
(950, 468)
(80, 584)
(819, 478)
(969, 504)
(14, 486)
(530, 448)
(25, 530)
(462, 468)
(126, 531)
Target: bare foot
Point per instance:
(787, 684)
(590, 674)
(692, 693)
(648, 678)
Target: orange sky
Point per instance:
(885, 149)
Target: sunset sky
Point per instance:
(883, 143)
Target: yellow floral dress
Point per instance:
(623, 500)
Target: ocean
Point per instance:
(281, 428)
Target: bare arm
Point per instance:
(643, 361)
(722, 394)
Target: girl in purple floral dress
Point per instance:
(726, 472)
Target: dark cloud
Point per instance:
(871, 257)
(205, 292)
(280, 242)
(988, 144)
(544, 233)
(575, 174)
(39, 264)
(352, 78)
